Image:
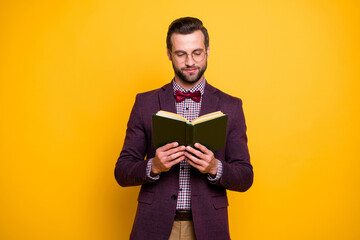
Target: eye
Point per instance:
(180, 54)
(197, 53)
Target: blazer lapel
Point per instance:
(167, 99)
(210, 100)
(209, 104)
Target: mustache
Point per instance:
(186, 68)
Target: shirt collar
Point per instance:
(199, 87)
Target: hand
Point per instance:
(166, 157)
(204, 160)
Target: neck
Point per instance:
(187, 85)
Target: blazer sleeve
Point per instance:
(237, 170)
(130, 169)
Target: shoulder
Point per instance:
(224, 98)
(148, 95)
(233, 107)
(230, 105)
(149, 102)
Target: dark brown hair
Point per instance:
(186, 25)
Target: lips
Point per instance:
(190, 70)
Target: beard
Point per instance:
(190, 78)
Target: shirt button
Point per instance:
(174, 197)
(182, 168)
(187, 108)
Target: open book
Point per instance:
(209, 129)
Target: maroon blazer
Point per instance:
(157, 199)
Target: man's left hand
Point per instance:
(203, 160)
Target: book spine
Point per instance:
(189, 135)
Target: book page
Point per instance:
(171, 116)
(206, 117)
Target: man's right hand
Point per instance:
(166, 157)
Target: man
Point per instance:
(183, 192)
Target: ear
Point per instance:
(168, 54)
(208, 51)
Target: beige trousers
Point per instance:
(182, 230)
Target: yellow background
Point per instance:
(69, 74)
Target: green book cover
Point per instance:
(209, 130)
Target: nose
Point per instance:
(189, 60)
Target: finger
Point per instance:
(202, 148)
(195, 152)
(174, 150)
(193, 159)
(168, 146)
(198, 167)
(192, 163)
(175, 156)
(176, 161)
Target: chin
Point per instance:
(187, 80)
(191, 78)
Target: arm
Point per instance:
(131, 169)
(236, 171)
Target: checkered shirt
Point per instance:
(190, 110)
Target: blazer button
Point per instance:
(174, 197)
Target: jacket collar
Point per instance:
(209, 104)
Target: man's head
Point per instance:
(186, 25)
(188, 49)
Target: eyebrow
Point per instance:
(181, 51)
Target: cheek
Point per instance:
(177, 65)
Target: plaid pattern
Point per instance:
(148, 171)
(218, 173)
(190, 110)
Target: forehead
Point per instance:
(187, 42)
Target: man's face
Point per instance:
(185, 46)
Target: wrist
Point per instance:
(154, 171)
(213, 171)
(152, 174)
